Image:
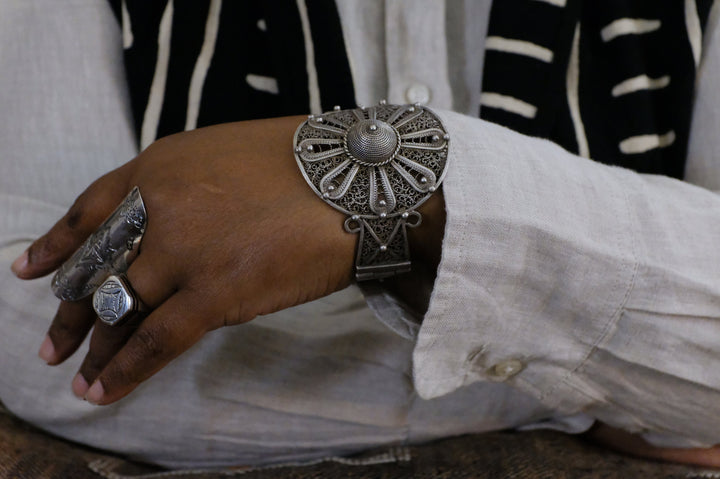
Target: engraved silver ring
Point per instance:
(115, 301)
(109, 250)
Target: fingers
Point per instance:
(153, 275)
(167, 332)
(153, 285)
(67, 331)
(105, 342)
(48, 252)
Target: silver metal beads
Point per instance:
(372, 141)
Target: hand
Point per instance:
(635, 445)
(233, 232)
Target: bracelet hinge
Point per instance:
(383, 249)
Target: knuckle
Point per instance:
(72, 320)
(235, 315)
(149, 344)
(75, 214)
(132, 368)
(92, 365)
(62, 328)
(42, 249)
(119, 374)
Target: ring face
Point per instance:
(109, 250)
(374, 162)
(114, 301)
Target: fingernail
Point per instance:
(95, 393)
(47, 351)
(79, 386)
(20, 263)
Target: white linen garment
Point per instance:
(566, 289)
(321, 379)
(572, 281)
(594, 289)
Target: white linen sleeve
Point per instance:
(594, 289)
(703, 162)
(539, 256)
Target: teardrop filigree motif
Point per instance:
(376, 162)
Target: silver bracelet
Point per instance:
(378, 165)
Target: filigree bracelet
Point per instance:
(378, 165)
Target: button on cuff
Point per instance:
(417, 93)
(505, 369)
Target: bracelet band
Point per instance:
(377, 165)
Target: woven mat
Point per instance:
(27, 453)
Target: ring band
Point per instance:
(109, 250)
(115, 301)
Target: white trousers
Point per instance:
(321, 379)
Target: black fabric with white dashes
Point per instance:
(633, 85)
(254, 40)
(611, 80)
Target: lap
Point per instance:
(322, 378)
(315, 380)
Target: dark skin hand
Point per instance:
(233, 232)
(633, 445)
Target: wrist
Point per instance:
(414, 288)
(378, 165)
(426, 239)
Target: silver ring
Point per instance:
(109, 250)
(115, 301)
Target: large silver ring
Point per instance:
(109, 250)
(115, 301)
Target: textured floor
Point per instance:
(26, 453)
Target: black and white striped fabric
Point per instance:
(193, 63)
(612, 80)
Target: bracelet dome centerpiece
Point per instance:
(376, 164)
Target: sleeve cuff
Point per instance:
(537, 262)
(390, 311)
